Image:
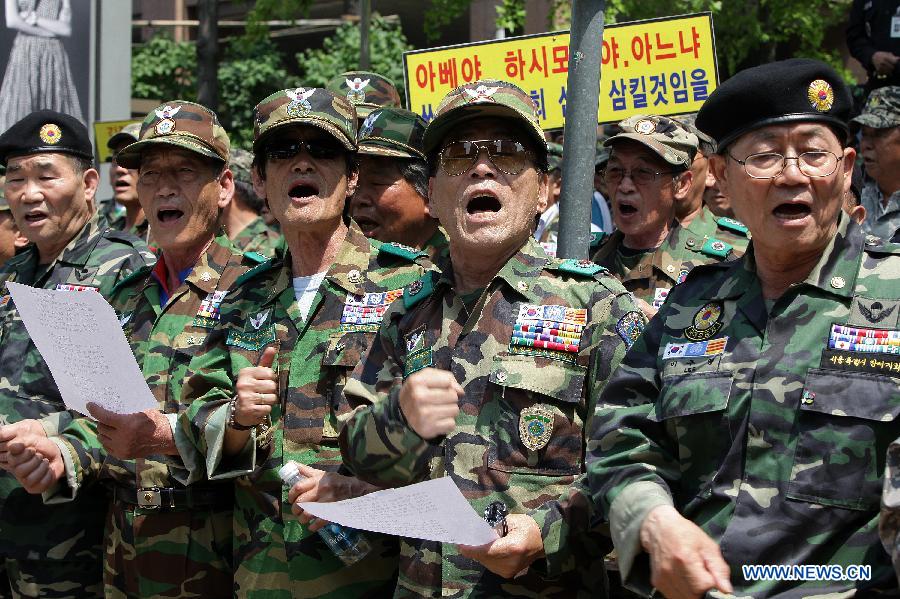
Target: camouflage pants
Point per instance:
(51, 578)
(168, 553)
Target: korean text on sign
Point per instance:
(660, 66)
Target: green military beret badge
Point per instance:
(535, 426)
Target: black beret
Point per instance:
(46, 131)
(787, 91)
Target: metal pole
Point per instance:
(365, 10)
(580, 145)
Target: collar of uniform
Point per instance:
(205, 274)
(351, 264)
(75, 252)
(699, 224)
(526, 264)
(837, 269)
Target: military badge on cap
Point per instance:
(357, 92)
(707, 322)
(166, 123)
(366, 128)
(535, 426)
(50, 134)
(299, 105)
(482, 93)
(645, 127)
(820, 94)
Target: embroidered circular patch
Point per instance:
(50, 134)
(820, 95)
(535, 426)
(645, 127)
(164, 127)
(630, 327)
(706, 322)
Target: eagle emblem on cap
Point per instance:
(299, 105)
(166, 124)
(820, 95)
(50, 134)
(368, 125)
(482, 93)
(357, 91)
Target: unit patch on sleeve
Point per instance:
(630, 327)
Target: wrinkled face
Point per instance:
(182, 193)
(305, 192)
(792, 213)
(714, 198)
(123, 181)
(49, 200)
(880, 149)
(386, 206)
(485, 209)
(640, 209)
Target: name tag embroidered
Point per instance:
(70, 287)
(548, 331)
(876, 363)
(365, 312)
(698, 349)
(208, 314)
(864, 340)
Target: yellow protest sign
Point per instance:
(103, 131)
(661, 66)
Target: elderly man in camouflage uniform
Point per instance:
(647, 176)
(693, 215)
(880, 149)
(366, 91)
(124, 184)
(488, 371)
(52, 550)
(267, 387)
(10, 238)
(242, 217)
(162, 538)
(749, 424)
(391, 198)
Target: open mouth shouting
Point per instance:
(482, 205)
(792, 211)
(169, 215)
(304, 191)
(35, 218)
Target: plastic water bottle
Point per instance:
(346, 543)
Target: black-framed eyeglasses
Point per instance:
(641, 176)
(769, 165)
(319, 149)
(509, 156)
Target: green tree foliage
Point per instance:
(340, 53)
(163, 68)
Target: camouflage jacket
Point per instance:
(96, 258)
(766, 426)
(258, 237)
(436, 245)
(706, 227)
(520, 435)
(163, 339)
(881, 221)
(272, 549)
(650, 275)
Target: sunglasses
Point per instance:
(509, 156)
(319, 149)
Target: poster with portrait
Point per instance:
(45, 58)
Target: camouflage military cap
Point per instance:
(128, 134)
(554, 155)
(366, 91)
(485, 98)
(664, 137)
(707, 144)
(180, 124)
(240, 165)
(392, 132)
(311, 106)
(882, 109)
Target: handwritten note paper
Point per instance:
(434, 510)
(80, 338)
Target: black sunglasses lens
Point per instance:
(323, 150)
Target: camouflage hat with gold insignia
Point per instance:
(313, 106)
(669, 139)
(392, 132)
(180, 124)
(882, 109)
(485, 98)
(707, 145)
(365, 90)
(128, 134)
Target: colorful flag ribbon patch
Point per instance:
(859, 339)
(549, 331)
(365, 312)
(68, 287)
(697, 349)
(208, 313)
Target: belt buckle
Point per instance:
(149, 498)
